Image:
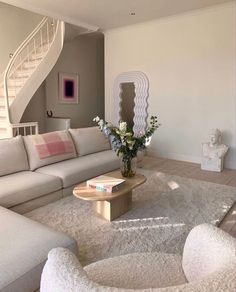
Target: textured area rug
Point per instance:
(164, 210)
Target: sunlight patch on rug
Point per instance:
(164, 210)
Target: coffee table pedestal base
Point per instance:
(111, 209)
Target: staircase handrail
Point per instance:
(15, 55)
(24, 126)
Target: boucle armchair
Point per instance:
(208, 264)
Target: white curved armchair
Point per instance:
(208, 264)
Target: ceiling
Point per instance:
(106, 14)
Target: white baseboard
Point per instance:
(230, 164)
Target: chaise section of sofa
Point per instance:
(21, 189)
(17, 189)
(24, 245)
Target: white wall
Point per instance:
(15, 25)
(85, 56)
(190, 61)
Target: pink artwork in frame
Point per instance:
(68, 88)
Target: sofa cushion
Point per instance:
(49, 148)
(89, 140)
(24, 186)
(80, 169)
(13, 156)
(24, 246)
(37, 202)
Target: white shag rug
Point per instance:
(164, 210)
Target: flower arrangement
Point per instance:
(125, 143)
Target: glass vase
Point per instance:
(128, 166)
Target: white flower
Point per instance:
(97, 119)
(100, 123)
(148, 141)
(140, 134)
(123, 126)
(131, 144)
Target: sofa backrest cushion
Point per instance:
(89, 140)
(13, 156)
(49, 148)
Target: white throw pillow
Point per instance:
(40, 148)
(13, 156)
(89, 140)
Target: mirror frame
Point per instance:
(141, 89)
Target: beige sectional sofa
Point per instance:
(28, 182)
(29, 178)
(24, 245)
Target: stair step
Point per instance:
(38, 56)
(44, 46)
(24, 74)
(11, 91)
(21, 78)
(41, 50)
(19, 82)
(2, 100)
(3, 132)
(3, 127)
(12, 83)
(31, 64)
(2, 119)
(2, 111)
(25, 71)
(28, 66)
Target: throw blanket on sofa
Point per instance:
(52, 144)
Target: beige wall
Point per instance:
(36, 109)
(85, 56)
(15, 25)
(190, 61)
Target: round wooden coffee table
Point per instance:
(111, 205)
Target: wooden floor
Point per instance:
(193, 170)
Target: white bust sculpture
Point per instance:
(214, 152)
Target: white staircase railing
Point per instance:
(24, 129)
(24, 62)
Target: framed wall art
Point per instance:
(68, 88)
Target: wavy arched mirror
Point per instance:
(130, 100)
(127, 103)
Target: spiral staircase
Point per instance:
(26, 70)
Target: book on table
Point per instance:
(105, 183)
